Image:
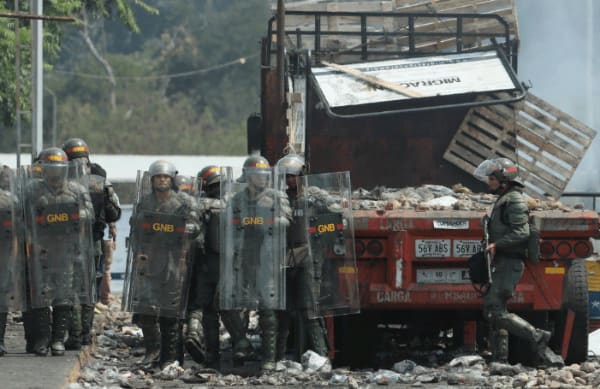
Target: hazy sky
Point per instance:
(560, 57)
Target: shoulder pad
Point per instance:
(97, 169)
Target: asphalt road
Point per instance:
(20, 370)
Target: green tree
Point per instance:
(82, 10)
(179, 85)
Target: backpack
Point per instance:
(477, 269)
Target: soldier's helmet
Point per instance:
(76, 148)
(55, 163)
(256, 171)
(209, 175)
(503, 169)
(36, 167)
(292, 164)
(184, 183)
(53, 156)
(162, 167)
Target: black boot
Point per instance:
(87, 323)
(237, 328)
(61, 316)
(171, 345)
(151, 333)
(283, 334)
(499, 343)
(3, 316)
(74, 340)
(268, 324)
(193, 338)
(41, 323)
(317, 336)
(29, 332)
(545, 354)
(210, 325)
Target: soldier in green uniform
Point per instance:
(163, 224)
(508, 237)
(59, 215)
(253, 249)
(12, 261)
(300, 272)
(107, 210)
(203, 312)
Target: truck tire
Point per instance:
(575, 298)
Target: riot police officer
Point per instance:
(253, 248)
(12, 276)
(163, 223)
(203, 308)
(107, 210)
(300, 272)
(59, 216)
(184, 184)
(508, 235)
(34, 171)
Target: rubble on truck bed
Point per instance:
(437, 198)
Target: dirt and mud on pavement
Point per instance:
(113, 363)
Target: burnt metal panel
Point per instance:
(392, 150)
(273, 118)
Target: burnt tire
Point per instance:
(575, 298)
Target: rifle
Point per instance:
(486, 242)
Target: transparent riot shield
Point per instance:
(158, 265)
(58, 218)
(96, 184)
(253, 223)
(85, 265)
(327, 202)
(12, 258)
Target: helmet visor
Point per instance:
(258, 177)
(55, 174)
(485, 169)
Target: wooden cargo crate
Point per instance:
(547, 143)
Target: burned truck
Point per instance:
(406, 98)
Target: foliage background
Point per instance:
(184, 84)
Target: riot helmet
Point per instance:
(503, 169)
(292, 164)
(76, 148)
(162, 168)
(36, 167)
(256, 171)
(210, 180)
(55, 163)
(209, 175)
(184, 184)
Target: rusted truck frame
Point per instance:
(402, 144)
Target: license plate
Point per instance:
(432, 248)
(451, 224)
(443, 276)
(466, 248)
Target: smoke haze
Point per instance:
(560, 56)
